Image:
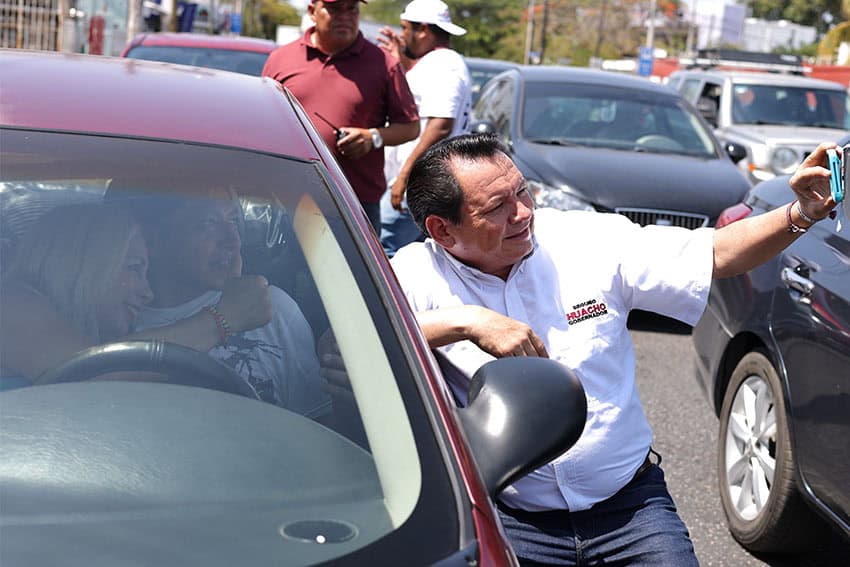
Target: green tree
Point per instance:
(803, 12)
(260, 18)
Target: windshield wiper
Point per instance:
(553, 141)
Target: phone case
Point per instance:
(836, 178)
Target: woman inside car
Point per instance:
(78, 278)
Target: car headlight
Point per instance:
(784, 160)
(546, 195)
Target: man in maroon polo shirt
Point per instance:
(356, 87)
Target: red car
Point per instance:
(197, 466)
(245, 55)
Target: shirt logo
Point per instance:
(586, 310)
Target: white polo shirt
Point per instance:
(575, 290)
(442, 88)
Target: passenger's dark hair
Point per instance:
(432, 188)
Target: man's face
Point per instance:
(497, 216)
(337, 23)
(199, 248)
(412, 35)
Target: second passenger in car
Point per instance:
(195, 260)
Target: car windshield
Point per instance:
(609, 117)
(245, 62)
(790, 106)
(281, 450)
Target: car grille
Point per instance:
(663, 218)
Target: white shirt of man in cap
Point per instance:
(440, 83)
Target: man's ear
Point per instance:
(440, 230)
(425, 31)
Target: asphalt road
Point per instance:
(685, 431)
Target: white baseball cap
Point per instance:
(431, 12)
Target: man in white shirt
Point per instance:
(439, 81)
(497, 278)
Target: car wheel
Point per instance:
(756, 466)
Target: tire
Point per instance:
(764, 511)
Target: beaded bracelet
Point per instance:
(221, 324)
(809, 219)
(803, 215)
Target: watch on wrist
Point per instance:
(377, 140)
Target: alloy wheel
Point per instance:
(750, 447)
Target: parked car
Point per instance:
(777, 118)
(195, 469)
(773, 359)
(482, 70)
(245, 55)
(596, 140)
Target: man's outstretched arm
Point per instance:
(743, 245)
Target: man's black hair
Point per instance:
(432, 188)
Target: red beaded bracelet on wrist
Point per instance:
(221, 324)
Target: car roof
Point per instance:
(592, 77)
(234, 43)
(481, 63)
(754, 77)
(128, 97)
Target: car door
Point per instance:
(811, 325)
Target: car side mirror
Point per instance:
(708, 108)
(522, 412)
(483, 127)
(736, 152)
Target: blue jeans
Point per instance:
(637, 526)
(397, 227)
(373, 213)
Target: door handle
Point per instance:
(795, 281)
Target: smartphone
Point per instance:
(845, 169)
(337, 132)
(837, 179)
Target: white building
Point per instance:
(760, 35)
(723, 23)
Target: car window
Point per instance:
(690, 88)
(602, 116)
(287, 452)
(245, 62)
(791, 106)
(496, 106)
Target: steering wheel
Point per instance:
(182, 365)
(659, 142)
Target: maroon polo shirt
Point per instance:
(360, 86)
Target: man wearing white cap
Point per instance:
(440, 83)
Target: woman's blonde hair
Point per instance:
(72, 254)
